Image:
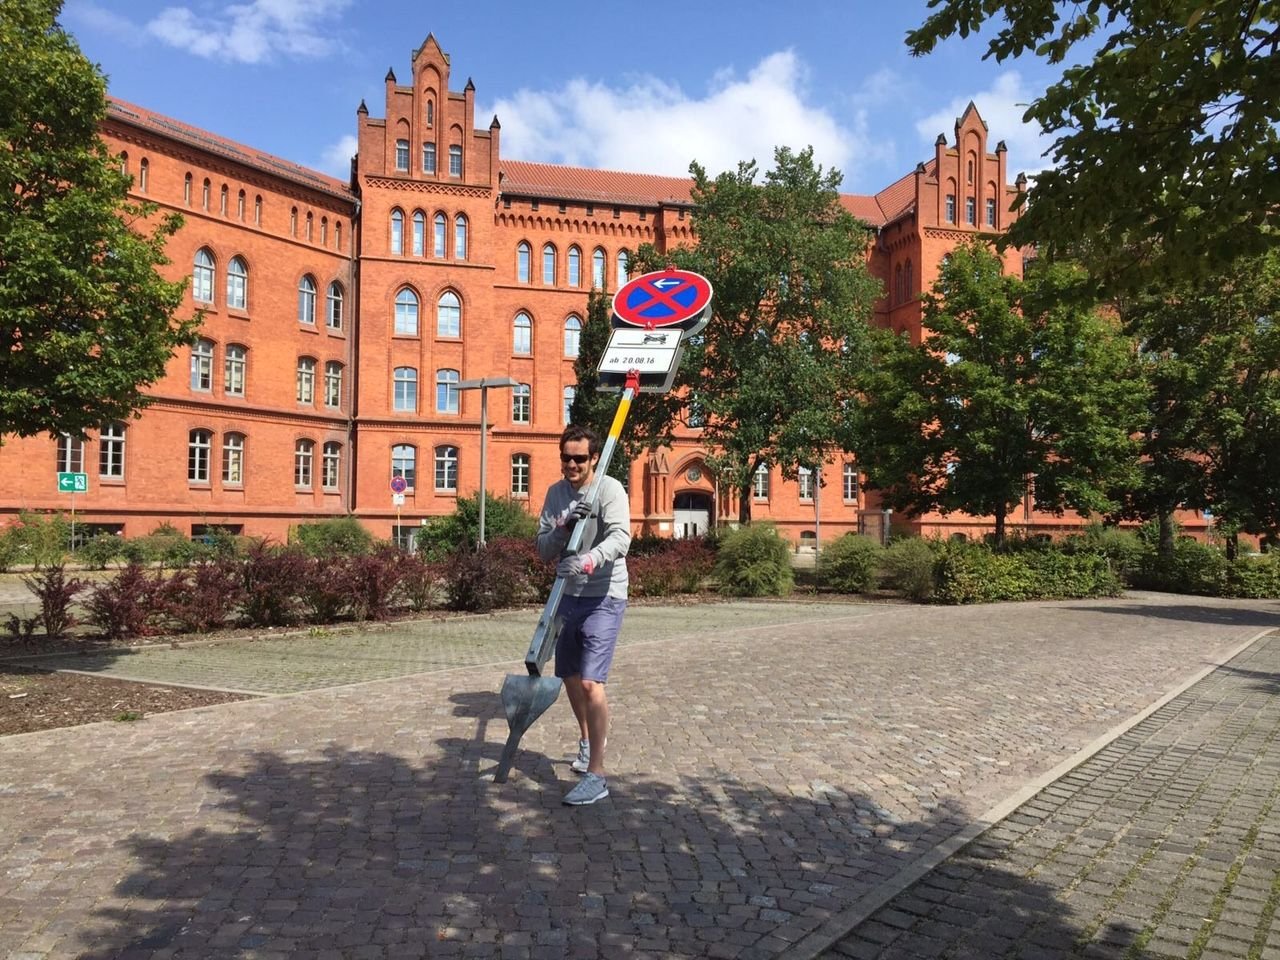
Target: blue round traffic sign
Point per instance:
(399, 485)
(664, 298)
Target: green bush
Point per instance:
(10, 546)
(40, 539)
(166, 545)
(1125, 549)
(975, 573)
(1254, 578)
(1195, 568)
(851, 564)
(504, 517)
(100, 550)
(341, 536)
(754, 561)
(907, 566)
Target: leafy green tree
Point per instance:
(1016, 386)
(1212, 441)
(769, 377)
(1165, 127)
(86, 323)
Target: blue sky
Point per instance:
(642, 87)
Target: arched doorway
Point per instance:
(692, 514)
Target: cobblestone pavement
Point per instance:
(1165, 844)
(764, 778)
(327, 658)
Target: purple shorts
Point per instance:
(588, 636)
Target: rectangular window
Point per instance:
(233, 459)
(521, 404)
(991, 213)
(402, 154)
(760, 483)
(333, 384)
(70, 454)
(306, 380)
(202, 365)
(951, 208)
(447, 391)
(850, 478)
(447, 469)
(111, 451)
(970, 210)
(302, 464)
(806, 483)
(428, 158)
(233, 368)
(199, 443)
(331, 466)
(455, 161)
(520, 475)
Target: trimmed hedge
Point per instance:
(754, 561)
(974, 573)
(851, 564)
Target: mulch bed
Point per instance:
(39, 700)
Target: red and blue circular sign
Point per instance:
(664, 298)
(399, 484)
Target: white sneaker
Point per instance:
(583, 759)
(590, 788)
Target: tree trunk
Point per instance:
(1233, 545)
(744, 503)
(1001, 512)
(1165, 546)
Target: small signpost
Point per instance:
(73, 483)
(653, 317)
(398, 486)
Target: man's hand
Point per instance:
(578, 510)
(575, 565)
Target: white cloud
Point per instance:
(335, 159)
(652, 126)
(252, 32)
(1002, 107)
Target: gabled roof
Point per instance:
(603, 186)
(145, 119)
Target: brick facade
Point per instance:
(498, 256)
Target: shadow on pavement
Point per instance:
(1265, 614)
(363, 849)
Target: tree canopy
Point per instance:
(86, 323)
(768, 378)
(1166, 150)
(1016, 391)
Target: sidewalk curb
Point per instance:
(841, 924)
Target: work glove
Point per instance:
(578, 510)
(578, 563)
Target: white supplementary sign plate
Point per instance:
(649, 351)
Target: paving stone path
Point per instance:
(766, 774)
(1165, 844)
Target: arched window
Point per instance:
(572, 336)
(760, 483)
(237, 284)
(233, 458)
(144, 172)
(397, 231)
(333, 309)
(549, 265)
(307, 299)
(223, 200)
(520, 475)
(206, 194)
(186, 190)
(522, 262)
(337, 234)
(124, 169)
(597, 269)
(521, 403)
(897, 283)
(199, 448)
(202, 365)
(404, 460)
(419, 233)
(460, 237)
(303, 456)
(406, 313)
(111, 450)
(240, 199)
(331, 465)
(570, 393)
(575, 267)
(306, 380)
(202, 276)
(446, 391)
(439, 233)
(332, 384)
(446, 469)
(522, 334)
(257, 211)
(235, 362)
(405, 397)
(429, 158)
(908, 289)
(402, 155)
(624, 265)
(448, 315)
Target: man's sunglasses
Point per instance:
(574, 457)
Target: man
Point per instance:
(595, 595)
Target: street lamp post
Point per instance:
(483, 384)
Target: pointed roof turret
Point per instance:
(362, 109)
(495, 125)
(470, 86)
(972, 108)
(391, 76)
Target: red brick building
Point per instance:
(341, 317)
